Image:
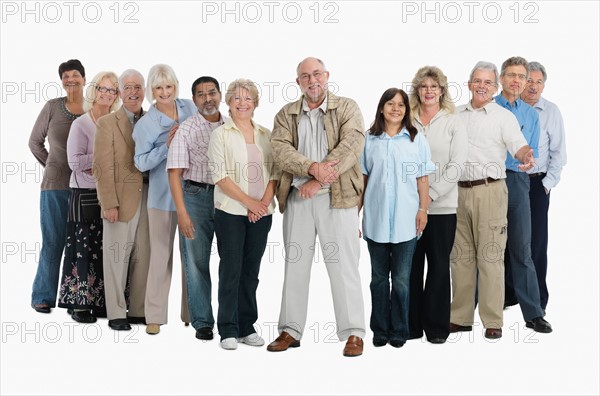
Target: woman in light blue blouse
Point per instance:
(395, 163)
(152, 135)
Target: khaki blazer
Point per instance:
(118, 181)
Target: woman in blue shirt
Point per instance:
(152, 135)
(395, 163)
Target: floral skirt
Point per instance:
(82, 280)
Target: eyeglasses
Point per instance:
(132, 87)
(513, 75)
(239, 99)
(539, 83)
(487, 83)
(305, 77)
(429, 87)
(112, 91)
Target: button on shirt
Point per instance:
(492, 130)
(189, 148)
(150, 137)
(312, 138)
(528, 122)
(392, 165)
(552, 147)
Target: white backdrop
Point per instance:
(368, 47)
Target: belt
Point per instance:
(469, 184)
(532, 175)
(201, 185)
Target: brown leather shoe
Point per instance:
(454, 328)
(493, 333)
(354, 346)
(283, 342)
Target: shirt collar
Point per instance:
(502, 101)
(402, 132)
(230, 125)
(133, 118)
(203, 120)
(306, 109)
(541, 104)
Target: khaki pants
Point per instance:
(337, 229)
(477, 260)
(162, 233)
(126, 251)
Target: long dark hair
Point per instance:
(378, 126)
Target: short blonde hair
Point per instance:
(158, 75)
(90, 93)
(242, 83)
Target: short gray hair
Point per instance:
(484, 66)
(129, 73)
(514, 61)
(161, 74)
(317, 59)
(537, 66)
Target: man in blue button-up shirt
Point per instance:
(521, 277)
(546, 174)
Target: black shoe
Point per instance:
(539, 324)
(510, 302)
(204, 333)
(397, 343)
(379, 342)
(41, 308)
(70, 311)
(83, 317)
(119, 324)
(436, 340)
(136, 320)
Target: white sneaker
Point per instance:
(229, 343)
(252, 340)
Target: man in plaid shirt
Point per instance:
(193, 194)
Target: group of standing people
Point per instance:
(429, 178)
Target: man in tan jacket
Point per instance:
(123, 193)
(317, 142)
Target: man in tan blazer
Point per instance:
(123, 193)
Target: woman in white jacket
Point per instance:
(433, 112)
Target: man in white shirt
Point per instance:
(483, 204)
(546, 174)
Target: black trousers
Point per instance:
(540, 203)
(241, 245)
(430, 305)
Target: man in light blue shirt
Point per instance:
(520, 275)
(552, 157)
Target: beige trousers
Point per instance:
(477, 260)
(126, 251)
(162, 233)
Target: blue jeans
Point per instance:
(241, 246)
(389, 313)
(517, 257)
(199, 203)
(54, 206)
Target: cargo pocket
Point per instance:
(494, 252)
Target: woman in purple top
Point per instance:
(53, 124)
(82, 283)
